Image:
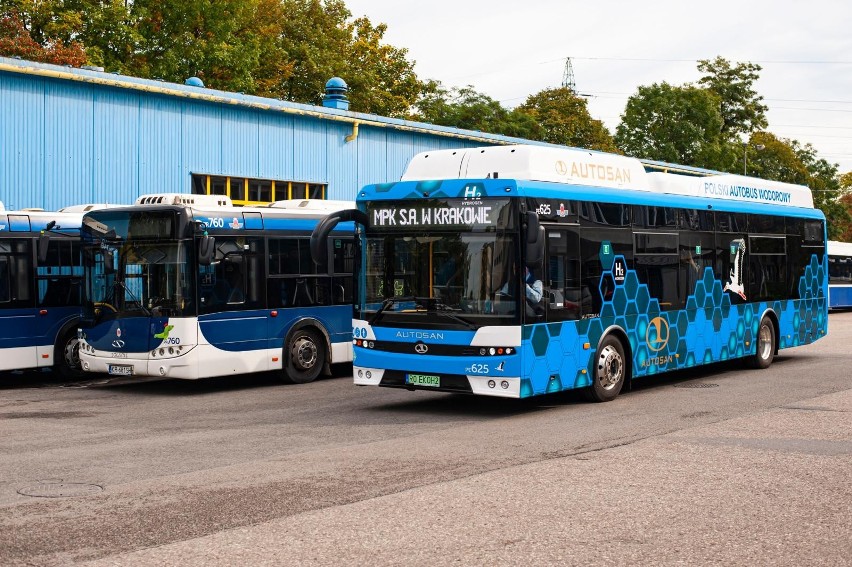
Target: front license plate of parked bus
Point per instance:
(423, 380)
(120, 370)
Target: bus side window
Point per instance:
(5, 284)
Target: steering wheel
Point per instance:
(101, 304)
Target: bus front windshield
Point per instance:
(137, 278)
(452, 280)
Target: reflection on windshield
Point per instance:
(149, 279)
(456, 279)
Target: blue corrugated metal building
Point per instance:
(72, 136)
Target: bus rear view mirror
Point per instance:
(206, 248)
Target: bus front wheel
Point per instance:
(765, 351)
(66, 355)
(609, 371)
(304, 356)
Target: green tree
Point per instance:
(466, 108)
(740, 106)
(109, 31)
(562, 117)
(320, 42)
(791, 162)
(674, 124)
(845, 181)
(221, 41)
(17, 41)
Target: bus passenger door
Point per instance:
(563, 292)
(20, 326)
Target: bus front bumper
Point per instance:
(498, 386)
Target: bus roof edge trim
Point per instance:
(596, 169)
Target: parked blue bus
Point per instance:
(189, 286)
(40, 277)
(520, 270)
(839, 275)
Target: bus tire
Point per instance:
(304, 356)
(66, 355)
(765, 345)
(609, 370)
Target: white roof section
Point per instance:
(837, 248)
(595, 169)
(317, 205)
(536, 163)
(737, 188)
(86, 208)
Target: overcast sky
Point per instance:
(510, 49)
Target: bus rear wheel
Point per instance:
(66, 355)
(304, 356)
(765, 351)
(609, 371)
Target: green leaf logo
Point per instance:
(165, 333)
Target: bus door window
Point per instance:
(226, 284)
(602, 222)
(16, 273)
(697, 248)
(657, 266)
(59, 276)
(342, 283)
(767, 267)
(5, 280)
(294, 281)
(562, 286)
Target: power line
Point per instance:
(656, 60)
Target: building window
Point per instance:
(245, 191)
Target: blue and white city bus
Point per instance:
(520, 270)
(40, 278)
(189, 286)
(839, 275)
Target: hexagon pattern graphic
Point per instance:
(709, 329)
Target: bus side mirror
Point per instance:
(319, 237)
(43, 242)
(534, 239)
(206, 247)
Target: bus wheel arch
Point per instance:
(66, 352)
(765, 342)
(306, 351)
(611, 366)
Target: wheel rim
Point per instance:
(764, 342)
(304, 353)
(71, 354)
(610, 367)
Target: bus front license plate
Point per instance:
(423, 380)
(120, 370)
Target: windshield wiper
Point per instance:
(447, 312)
(389, 302)
(133, 296)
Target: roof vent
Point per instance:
(335, 94)
(194, 82)
(185, 199)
